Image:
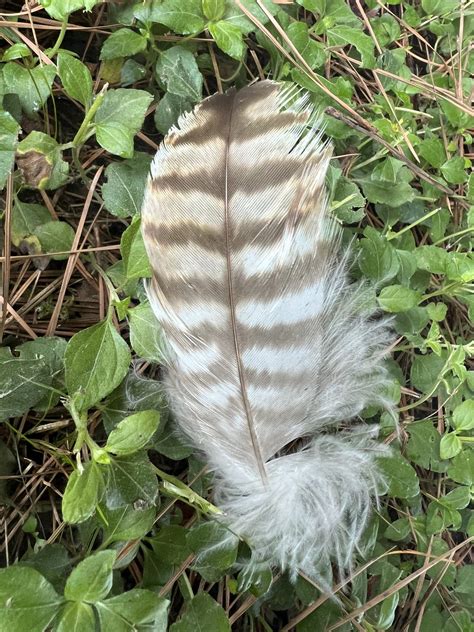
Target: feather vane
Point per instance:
(267, 343)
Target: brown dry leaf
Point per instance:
(35, 168)
(31, 246)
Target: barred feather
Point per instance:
(266, 342)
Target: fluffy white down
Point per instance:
(314, 507)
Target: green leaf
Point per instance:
(453, 170)
(122, 43)
(40, 159)
(32, 85)
(461, 468)
(76, 78)
(437, 311)
(463, 416)
(96, 360)
(378, 260)
(27, 600)
(400, 475)
(145, 333)
(399, 530)
(132, 481)
(311, 50)
(125, 185)
(52, 561)
(26, 218)
(182, 16)
(25, 380)
(425, 371)
(235, 16)
(133, 432)
(396, 298)
(202, 612)
(170, 545)
(168, 111)
(178, 71)
(137, 606)
(432, 259)
(76, 616)
(16, 51)
(213, 9)
(389, 184)
(432, 150)
(229, 38)
(119, 118)
(91, 580)
(215, 545)
(450, 445)
(60, 9)
(458, 498)
(54, 237)
(134, 393)
(422, 447)
(343, 35)
(9, 129)
(126, 523)
(133, 252)
(439, 7)
(83, 492)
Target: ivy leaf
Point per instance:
(133, 432)
(91, 580)
(119, 118)
(450, 445)
(202, 612)
(25, 379)
(215, 546)
(83, 492)
(9, 129)
(96, 360)
(396, 298)
(178, 71)
(401, 477)
(229, 38)
(453, 170)
(32, 85)
(76, 616)
(39, 157)
(60, 9)
(145, 333)
(27, 600)
(126, 523)
(182, 16)
(125, 185)
(234, 15)
(378, 260)
(132, 481)
(311, 50)
(26, 218)
(76, 78)
(463, 416)
(123, 43)
(461, 468)
(54, 237)
(343, 35)
(169, 109)
(170, 545)
(133, 252)
(137, 606)
(213, 9)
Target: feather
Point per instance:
(267, 344)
